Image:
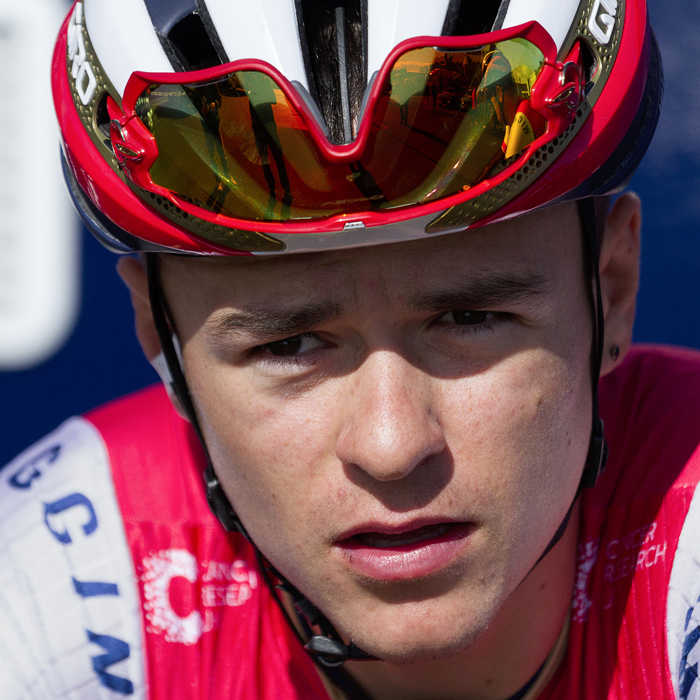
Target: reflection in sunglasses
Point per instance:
(444, 118)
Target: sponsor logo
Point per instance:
(206, 587)
(81, 70)
(602, 20)
(636, 551)
(72, 520)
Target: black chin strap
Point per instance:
(326, 649)
(598, 448)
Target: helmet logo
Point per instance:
(81, 70)
(601, 23)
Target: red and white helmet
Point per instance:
(212, 127)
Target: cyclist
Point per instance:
(386, 369)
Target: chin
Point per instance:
(417, 633)
(411, 651)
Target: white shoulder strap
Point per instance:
(683, 611)
(69, 608)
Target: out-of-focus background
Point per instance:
(66, 330)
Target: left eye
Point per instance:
(466, 317)
(292, 346)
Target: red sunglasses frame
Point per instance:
(555, 96)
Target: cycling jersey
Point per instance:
(116, 580)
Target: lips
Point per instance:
(409, 552)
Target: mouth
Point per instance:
(408, 553)
(385, 541)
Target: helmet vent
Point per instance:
(187, 33)
(102, 120)
(333, 39)
(467, 17)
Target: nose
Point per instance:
(390, 424)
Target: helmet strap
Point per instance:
(598, 449)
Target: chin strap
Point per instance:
(326, 649)
(598, 448)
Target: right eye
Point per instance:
(465, 317)
(289, 347)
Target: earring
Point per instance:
(615, 352)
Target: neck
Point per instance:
(524, 637)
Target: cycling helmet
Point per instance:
(211, 127)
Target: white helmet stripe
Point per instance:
(392, 21)
(123, 37)
(262, 29)
(556, 17)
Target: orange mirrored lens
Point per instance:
(443, 121)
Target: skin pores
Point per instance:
(402, 429)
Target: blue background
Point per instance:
(102, 359)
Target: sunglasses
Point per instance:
(444, 120)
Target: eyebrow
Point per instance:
(485, 292)
(273, 322)
(477, 293)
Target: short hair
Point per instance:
(602, 209)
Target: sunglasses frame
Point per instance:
(555, 96)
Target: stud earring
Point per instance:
(615, 352)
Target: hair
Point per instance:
(602, 209)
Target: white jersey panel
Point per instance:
(556, 17)
(263, 29)
(123, 37)
(683, 611)
(69, 608)
(392, 21)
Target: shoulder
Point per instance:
(651, 409)
(683, 607)
(156, 459)
(69, 614)
(653, 381)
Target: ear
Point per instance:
(619, 276)
(135, 278)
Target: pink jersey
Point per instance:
(116, 580)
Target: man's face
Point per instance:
(401, 429)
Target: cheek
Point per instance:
(522, 429)
(270, 454)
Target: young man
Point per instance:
(394, 400)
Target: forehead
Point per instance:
(545, 243)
